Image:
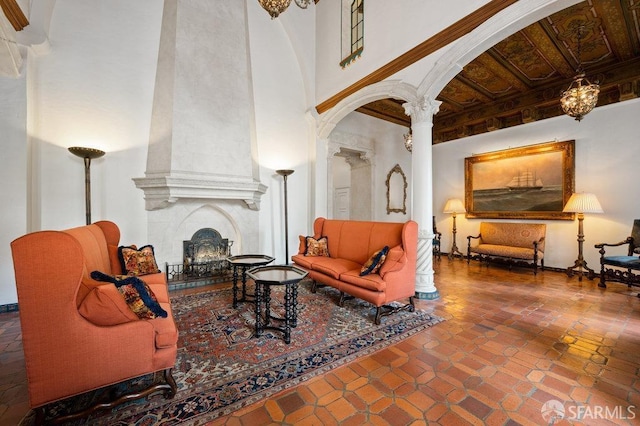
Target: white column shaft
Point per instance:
(421, 113)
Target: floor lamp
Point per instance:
(284, 174)
(582, 203)
(453, 207)
(87, 154)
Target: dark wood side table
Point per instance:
(245, 262)
(267, 276)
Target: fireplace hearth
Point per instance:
(204, 260)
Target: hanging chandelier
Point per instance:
(276, 7)
(408, 141)
(581, 96)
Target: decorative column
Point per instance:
(421, 112)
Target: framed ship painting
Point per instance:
(531, 182)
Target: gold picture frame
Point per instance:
(531, 182)
(396, 191)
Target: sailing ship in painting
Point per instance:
(525, 181)
(525, 191)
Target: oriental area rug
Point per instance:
(222, 367)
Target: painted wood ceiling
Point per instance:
(520, 79)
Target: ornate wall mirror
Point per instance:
(396, 191)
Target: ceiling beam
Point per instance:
(14, 14)
(424, 49)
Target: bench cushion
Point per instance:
(513, 234)
(506, 251)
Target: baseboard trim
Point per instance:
(11, 307)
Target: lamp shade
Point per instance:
(454, 205)
(583, 203)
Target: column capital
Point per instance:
(422, 109)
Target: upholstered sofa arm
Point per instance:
(395, 261)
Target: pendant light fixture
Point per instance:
(581, 96)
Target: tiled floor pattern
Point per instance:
(512, 343)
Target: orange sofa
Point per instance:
(350, 244)
(79, 334)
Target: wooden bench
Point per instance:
(513, 244)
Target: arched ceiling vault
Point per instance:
(520, 79)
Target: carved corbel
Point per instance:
(628, 90)
(493, 123)
(529, 115)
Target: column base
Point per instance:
(434, 295)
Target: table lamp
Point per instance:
(582, 203)
(453, 207)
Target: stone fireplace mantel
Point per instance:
(203, 167)
(163, 191)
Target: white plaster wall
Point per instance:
(95, 89)
(361, 191)
(390, 29)
(388, 141)
(607, 152)
(13, 174)
(341, 172)
(283, 134)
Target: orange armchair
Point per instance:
(77, 335)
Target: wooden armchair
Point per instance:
(437, 237)
(621, 268)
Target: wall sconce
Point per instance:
(408, 141)
(582, 203)
(276, 7)
(453, 207)
(87, 154)
(284, 174)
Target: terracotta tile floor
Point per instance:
(512, 342)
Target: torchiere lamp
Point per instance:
(453, 207)
(284, 174)
(582, 203)
(87, 154)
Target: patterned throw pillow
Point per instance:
(141, 300)
(375, 262)
(136, 262)
(139, 297)
(317, 247)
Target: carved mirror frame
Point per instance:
(397, 169)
